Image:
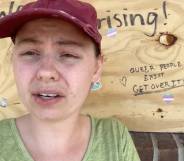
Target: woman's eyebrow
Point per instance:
(69, 43)
(59, 42)
(28, 41)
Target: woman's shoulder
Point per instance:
(5, 134)
(5, 131)
(109, 128)
(112, 137)
(5, 126)
(10, 146)
(109, 124)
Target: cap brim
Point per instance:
(10, 24)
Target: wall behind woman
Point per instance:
(143, 76)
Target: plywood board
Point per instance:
(143, 79)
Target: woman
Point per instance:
(56, 61)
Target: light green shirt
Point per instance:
(109, 141)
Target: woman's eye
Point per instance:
(29, 56)
(29, 53)
(69, 56)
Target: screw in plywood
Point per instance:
(167, 39)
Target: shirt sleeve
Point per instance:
(127, 148)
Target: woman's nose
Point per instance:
(47, 71)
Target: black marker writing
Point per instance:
(148, 77)
(10, 9)
(142, 69)
(157, 87)
(123, 20)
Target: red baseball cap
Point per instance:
(81, 14)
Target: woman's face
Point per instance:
(54, 65)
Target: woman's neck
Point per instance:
(53, 136)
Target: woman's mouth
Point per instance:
(47, 99)
(48, 96)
